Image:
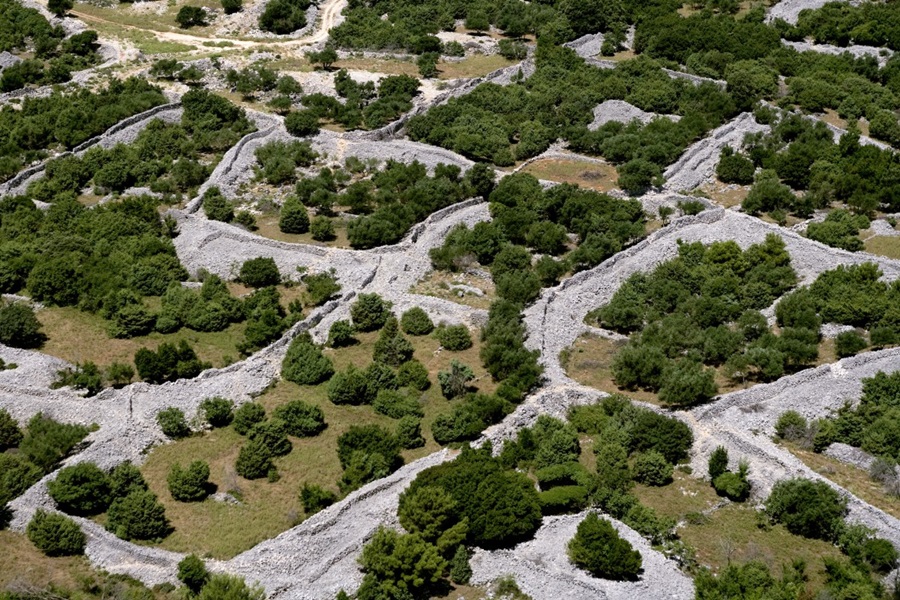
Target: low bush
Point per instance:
(409, 432)
(191, 484)
(260, 272)
(314, 498)
(370, 312)
(219, 412)
(416, 321)
(304, 363)
(455, 382)
(563, 499)
(341, 334)
(413, 374)
(598, 549)
(652, 468)
(247, 415)
(273, 435)
(172, 422)
(82, 489)
(55, 534)
(454, 337)
(137, 516)
(808, 508)
(300, 418)
(254, 460)
(192, 571)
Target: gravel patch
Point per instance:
(542, 569)
(697, 164)
(619, 110)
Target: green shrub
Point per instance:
(880, 554)
(791, 426)
(273, 435)
(216, 206)
(598, 549)
(397, 404)
(16, 476)
(563, 474)
(260, 272)
(460, 569)
(735, 168)
(230, 7)
(55, 534)
(563, 499)
(413, 374)
(81, 489)
(124, 479)
(304, 363)
(652, 468)
(454, 337)
(370, 312)
(293, 217)
(47, 442)
(19, 327)
(222, 586)
(192, 571)
(302, 123)
(409, 432)
(849, 343)
(254, 460)
(322, 229)
(734, 486)
(350, 387)
(247, 415)
(219, 412)
(315, 498)
(10, 434)
(455, 382)
(171, 421)
(403, 562)
(667, 435)
(416, 321)
(191, 484)
(718, 462)
(392, 348)
(341, 334)
(188, 16)
(137, 516)
(320, 288)
(808, 508)
(687, 383)
(301, 419)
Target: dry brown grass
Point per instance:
(686, 494)
(884, 245)
(439, 284)
(78, 336)
(477, 65)
(732, 535)
(389, 66)
(23, 564)
(854, 479)
(601, 178)
(726, 195)
(223, 530)
(268, 227)
(130, 16)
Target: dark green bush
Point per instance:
(170, 362)
(652, 468)
(409, 432)
(454, 337)
(189, 16)
(351, 386)
(849, 343)
(413, 374)
(47, 442)
(124, 479)
(10, 434)
(598, 549)
(320, 288)
(322, 229)
(19, 327)
(791, 426)
(191, 484)
(216, 206)
(563, 499)
(370, 312)
(315, 498)
(416, 321)
(222, 586)
(455, 382)
(808, 508)
(302, 123)
(82, 489)
(392, 348)
(171, 421)
(247, 415)
(301, 419)
(219, 412)
(137, 516)
(718, 462)
(304, 363)
(734, 486)
(260, 272)
(273, 435)
(191, 569)
(55, 534)
(341, 334)
(293, 218)
(254, 460)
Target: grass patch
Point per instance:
(78, 336)
(477, 65)
(726, 195)
(23, 564)
(224, 530)
(268, 227)
(884, 245)
(598, 177)
(589, 362)
(134, 16)
(389, 66)
(439, 284)
(686, 494)
(854, 479)
(732, 535)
